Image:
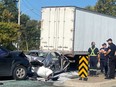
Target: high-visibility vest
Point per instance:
(92, 52)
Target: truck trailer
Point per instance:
(71, 29)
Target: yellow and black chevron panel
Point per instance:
(83, 66)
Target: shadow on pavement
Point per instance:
(5, 78)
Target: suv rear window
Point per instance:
(2, 52)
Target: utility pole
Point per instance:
(19, 10)
(19, 15)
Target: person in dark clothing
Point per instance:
(93, 59)
(103, 59)
(112, 59)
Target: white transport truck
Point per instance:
(71, 29)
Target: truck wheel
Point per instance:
(20, 73)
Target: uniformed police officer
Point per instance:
(103, 59)
(93, 53)
(112, 59)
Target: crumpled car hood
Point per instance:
(33, 58)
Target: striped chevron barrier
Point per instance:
(83, 67)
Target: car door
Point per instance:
(56, 61)
(5, 63)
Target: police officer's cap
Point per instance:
(109, 39)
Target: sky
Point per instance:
(33, 7)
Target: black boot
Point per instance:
(91, 73)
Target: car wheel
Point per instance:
(20, 73)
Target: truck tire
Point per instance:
(20, 73)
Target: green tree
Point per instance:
(24, 19)
(106, 7)
(1, 10)
(11, 6)
(33, 34)
(9, 33)
(30, 35)
(6, 16)
(91, 8)
(29, 29)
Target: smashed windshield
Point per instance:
(43, 54)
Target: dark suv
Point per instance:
(13, 63)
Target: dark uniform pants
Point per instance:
(104, 65)
(93, 65)
(112, 64)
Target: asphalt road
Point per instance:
(9, 82)
(26, 83)
(69, 78)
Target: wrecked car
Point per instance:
(53, 60)
(40, 71)
(48, 64)
(34, 53)
(13, 63)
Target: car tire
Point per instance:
(20, 73)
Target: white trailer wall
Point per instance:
(73, 29)
(90, 26)
(57, 28)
